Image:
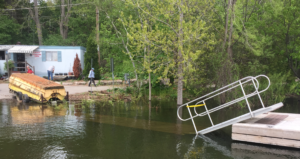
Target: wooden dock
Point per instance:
(281, 129)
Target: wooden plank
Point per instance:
(266, 140)
(287, 128)
(272, 119)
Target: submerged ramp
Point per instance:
(241, 118)
(35, 87)
(243, 84)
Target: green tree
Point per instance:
(2, 4)
(91, 55)
(9, 30)
(177, 27)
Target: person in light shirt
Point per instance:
(92, 76)
(50, 72)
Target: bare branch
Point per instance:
(125, 45)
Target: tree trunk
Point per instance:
(62, 18)
(226, 24)
(229, 49)
(225, 72)
(180, 71)
(149, 86)
(37, 23)
(149, 107)
(97, 34)
(65, 32)
(179, 122)
(7, 65)
(149, 64)
(293, 68)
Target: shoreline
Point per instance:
(73, 90)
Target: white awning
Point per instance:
(22, 49)
(6, 47)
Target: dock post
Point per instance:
(67, 97)
(42, 98)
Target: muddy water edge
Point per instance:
(123, 130)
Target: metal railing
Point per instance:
(201, 100)
(32, 67)
(24, 68)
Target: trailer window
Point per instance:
(51, 55)
(2, 55)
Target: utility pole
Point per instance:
(7, 65)
(97, 34)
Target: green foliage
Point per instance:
(86, 79)
(165, 92)
(82, 23)
(98, 83)
(265, 40)
(56, 39)
(280, 86)
(2, 3)
(9, 30)
(91, 53)
(86, 103)
(10, 65)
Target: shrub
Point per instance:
(91, 53)
(10, 65)
(77, 67)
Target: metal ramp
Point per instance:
(201, 102)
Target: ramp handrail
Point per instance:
(201, 100)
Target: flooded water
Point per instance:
(123, 130)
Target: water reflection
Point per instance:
(5, 113)
(141, 123)
(179, 122)
(246, 150)
(78, 110)
(116, 130)
(32, 114)
(33, 122)
(54, 152)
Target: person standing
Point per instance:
(29, 70)
(50, 72)
(92, 76)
